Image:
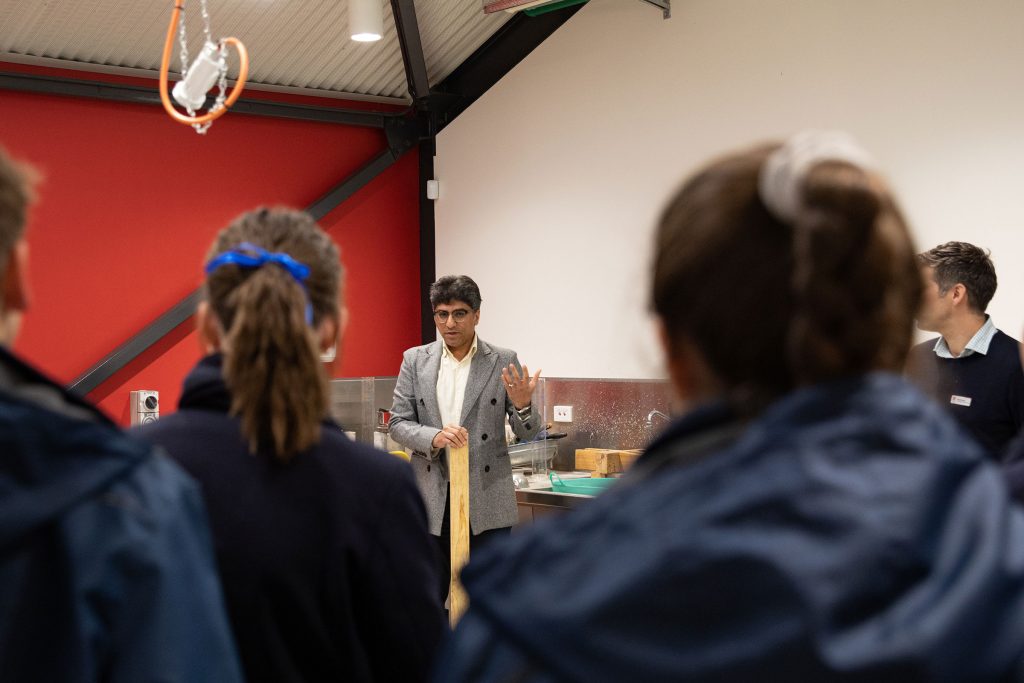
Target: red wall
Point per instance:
(130, 201)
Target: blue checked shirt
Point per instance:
(978, 344)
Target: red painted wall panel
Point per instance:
(130, 201)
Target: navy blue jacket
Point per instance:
(850, 532)
(106, 566)
(326, 562)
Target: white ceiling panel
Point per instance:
(301, 45)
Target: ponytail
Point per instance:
(273, 369)
(273, 276)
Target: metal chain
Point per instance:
(221, 82)
(184, 44)
(206, 21)
(222, 89)
(182, 38)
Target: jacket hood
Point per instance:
(56, 451)
(850, 525)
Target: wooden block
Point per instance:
(458, 475)
(606, 460)
(608, 463)
(586, 459)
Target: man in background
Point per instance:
(106, 568)
(455, 391)
(972, 368)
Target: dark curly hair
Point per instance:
(455, 288)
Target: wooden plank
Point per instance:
(458, 476)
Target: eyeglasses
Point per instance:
(457, 315)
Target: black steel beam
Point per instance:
(95, 376)
(141, 95)
(412, 48)
(339, 193)
(664, 5)
(402, 135)
(481, 70)
(510, 44)
(427, 252)
(131, 349)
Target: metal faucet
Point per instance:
(656, 413)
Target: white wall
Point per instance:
(551, 182)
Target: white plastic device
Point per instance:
(190, 92)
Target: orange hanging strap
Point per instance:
(165, 63)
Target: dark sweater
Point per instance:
(326, 562)
(994, 383)
(1013, 467)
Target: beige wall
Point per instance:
(551, 183)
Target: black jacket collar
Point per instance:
(205, 388)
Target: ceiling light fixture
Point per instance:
(365, 20)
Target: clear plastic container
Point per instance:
(537, 455)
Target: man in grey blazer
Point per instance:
(457, 390)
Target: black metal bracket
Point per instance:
(479, 72)
(665, 5)
(405, 133)
(427, 266)
(509, 45)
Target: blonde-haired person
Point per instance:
(321, 542)
(811, 516)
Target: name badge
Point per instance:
(960, 400)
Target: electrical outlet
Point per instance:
(144, 406)
(563, 413)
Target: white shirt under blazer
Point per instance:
(416, 419)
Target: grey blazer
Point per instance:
(416, 419)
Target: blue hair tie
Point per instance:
(247, 255)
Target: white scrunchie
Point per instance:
(780, 183)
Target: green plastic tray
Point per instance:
(584, 487)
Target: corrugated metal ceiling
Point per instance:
(293, 44)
